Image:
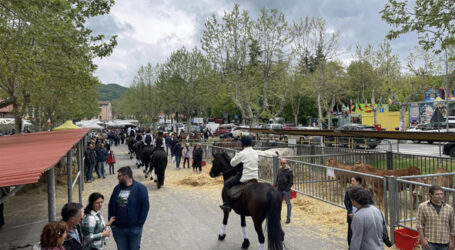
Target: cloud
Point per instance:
(150, 30)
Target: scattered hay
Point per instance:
(197, 180)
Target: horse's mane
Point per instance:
(225, 157)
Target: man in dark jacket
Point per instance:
(197, 158)
(159, 161)
(178, 149)
(168, 143)
(101, 155)
(129, 204)
(72, 215)
(284, 182)
(90, 161)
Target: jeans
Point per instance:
(89, 173)
(127, 238)
(101, 168)
(177, 160)
(287, 198)
(434, 246)
(186, 160)
(167, 148)
(111, 168)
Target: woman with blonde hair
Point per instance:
(52, 236)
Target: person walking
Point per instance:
(122, 136)
(197, 158)
(168, 141)
(284, 182)
(72, 215)
(435, 222)
(101, 155)
(90, 161)
(129, 204)
(52, 236)
(368, 225)
(94, 230)
(159, 162)
(186, 155)
(111, 161)
(178, 149)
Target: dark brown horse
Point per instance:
(258, 200)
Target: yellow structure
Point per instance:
(67, 125)
(388, 121)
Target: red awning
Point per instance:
(23, 158)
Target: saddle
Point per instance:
(237, 190)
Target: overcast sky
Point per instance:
(149, 30)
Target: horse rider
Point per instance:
(249, 157)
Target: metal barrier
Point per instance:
(329, 184)
(410, 191)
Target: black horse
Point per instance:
(146, 155)
(258, 200)
(130, 141)
(138, 146)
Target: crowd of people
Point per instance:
(85, 228)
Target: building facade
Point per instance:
(105, 111)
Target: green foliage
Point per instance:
(431, 19)
(46, 68)
(110, 92)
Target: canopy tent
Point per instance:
(66, 125)
(92, 126)
(112, 124)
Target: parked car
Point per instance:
(358, 142)
(273, 126)
(224, 128)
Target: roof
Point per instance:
(25, 157)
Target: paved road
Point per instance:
(182, 218)
(409, 147)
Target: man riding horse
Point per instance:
(249, 157)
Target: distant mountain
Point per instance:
(110, 92)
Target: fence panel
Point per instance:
(413, 190)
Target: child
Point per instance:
(186, 154)
(111, 160)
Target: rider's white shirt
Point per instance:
(249, 157)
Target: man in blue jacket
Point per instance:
(129, 204)
(101, 155)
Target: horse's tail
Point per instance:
(274, 232)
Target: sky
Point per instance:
(150, 30)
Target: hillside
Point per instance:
(110, 92)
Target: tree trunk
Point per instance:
(375, 111)
(403, 116)
(319, 109)
(17, 119)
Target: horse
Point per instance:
(146, 155)
(158, 162)
(130, 141)
(258, 200)
(138, 146)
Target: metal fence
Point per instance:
(408, 192)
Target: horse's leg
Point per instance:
(246, 242)
(222, 234)
(258, 228)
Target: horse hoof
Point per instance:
(245, 244)
(221, 237)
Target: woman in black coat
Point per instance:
(197, 158)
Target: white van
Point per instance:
(212, 127)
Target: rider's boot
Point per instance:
(226, 207)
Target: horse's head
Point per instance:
(221, 162)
